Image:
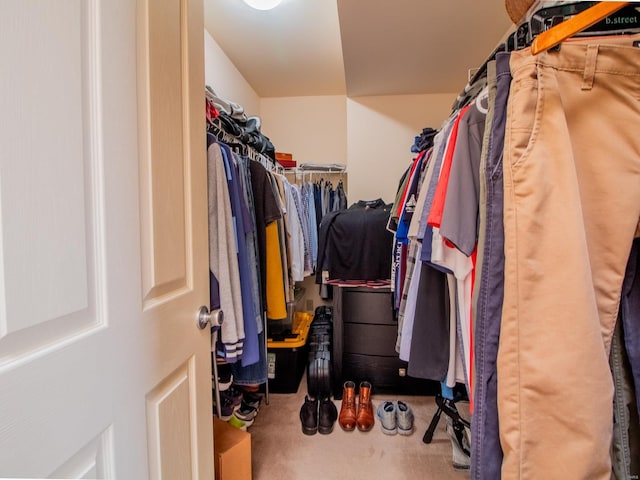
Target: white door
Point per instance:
(103, 241)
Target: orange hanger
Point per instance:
(580, 22)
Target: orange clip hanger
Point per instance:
(576, 24)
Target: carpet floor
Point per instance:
(280, 451)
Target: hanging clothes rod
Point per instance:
(548, 26)
(246, 150)
(322, 167)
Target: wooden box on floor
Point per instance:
(232, 450)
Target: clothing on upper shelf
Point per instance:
(231, 118)
(424, 140)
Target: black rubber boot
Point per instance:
(309, 416)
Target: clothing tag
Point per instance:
(271, 365)
(410, 206)
(626, 19)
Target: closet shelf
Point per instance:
(318, 168)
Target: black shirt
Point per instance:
(354, 244)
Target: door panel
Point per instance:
(48, 222)
(164, 158)
(171, 428)
(93, 461)
(103, 241)
(174, 230)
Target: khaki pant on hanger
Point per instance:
(571, 209)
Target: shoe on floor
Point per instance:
(239, 424)
(460, 444)
(309, 416)
(252, 399)
(227, 407)
(387, 414)
(225, 377)
(364, 414)
(347, 417)
(246, 423)
(247, 413)
(327, 416)
(233, 394)
(404, 414)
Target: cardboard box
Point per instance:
(284, 156)
(232, 452)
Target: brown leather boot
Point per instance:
(364, 417)
(347, 418)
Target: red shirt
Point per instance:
(403, 199)
(437, 207)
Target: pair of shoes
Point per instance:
(395, 417)
(360, 416)
(246, 413)
(318, 415)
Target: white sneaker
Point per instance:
(460, 447)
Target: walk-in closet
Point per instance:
(320, 239)
(452, 315)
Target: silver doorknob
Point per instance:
(206, 318)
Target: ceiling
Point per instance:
(357, 47)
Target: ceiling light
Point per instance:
(263, 4)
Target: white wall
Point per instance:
(225, 79)
(371, 135)
(313, 129)
(381, 131)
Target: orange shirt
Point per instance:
(276, 303)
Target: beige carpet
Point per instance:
(280, 451)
